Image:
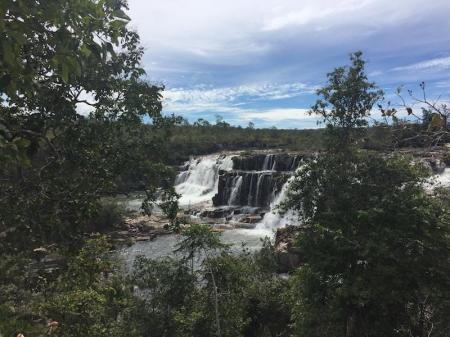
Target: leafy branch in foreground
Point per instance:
(72, 102)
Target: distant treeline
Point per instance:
(202, 137)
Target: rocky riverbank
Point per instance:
(139, 228)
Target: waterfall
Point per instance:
(274, 166)
(258, 182)
(236, 190)
(268, 164)
(250, 191)
(438, 180)
(199, 182)
(443, 179)
(274, 219)
(258, 188)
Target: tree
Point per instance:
(202, 123)
(88, 299)
(433, 122)
(72, 105)
(220, 122)
(346, 102)
(375, 244)
(224, 294)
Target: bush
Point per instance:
(108, 214)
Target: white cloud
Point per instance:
(236, 31)
(203, 96)
(434, 64)
(313, 13)
(234, 42)
(232, 103)
(278, 115)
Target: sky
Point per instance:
(261, 61)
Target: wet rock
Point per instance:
(436, 165)
(216, 213)
(245, 225)
(51, 263)
(263, 162)
(39, 253)
(288, 255)
(143, 238)
(248, 188)
(253, 219)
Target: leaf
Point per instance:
(85, 51)
(435, 123)
(64, 72)
(121, 14)
(8, 54)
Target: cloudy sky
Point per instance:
(261, 61)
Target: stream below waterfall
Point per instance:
(163, 246)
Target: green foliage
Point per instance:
(88, 299)
(203, 138)
(225, 295)
(16, 288)
(85, 298)
(169, 205)
(109, 214)
(375, 244)
(346, 102)
(167, 293)
(71, 112)
(199, 239)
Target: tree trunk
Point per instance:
(351, 322)
(216, 304)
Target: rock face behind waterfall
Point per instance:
(247, 188)
(255, 179)
(281, 162)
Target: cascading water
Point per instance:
(237, 184)
(248, 188)
(269, 163)
(439, 180)
(251, 184)
(274, 219)
(198, 184)
(443, 179)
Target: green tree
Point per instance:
(375, 244)
(224, 295)
(346, 102)
(88, 299)
(72, 103)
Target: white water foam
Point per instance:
(237, 184)
(274, 219)
(199, 183)
(439, 180)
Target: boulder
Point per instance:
(436, 165)
(288, 255)
(216, 213)
(252, 219)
